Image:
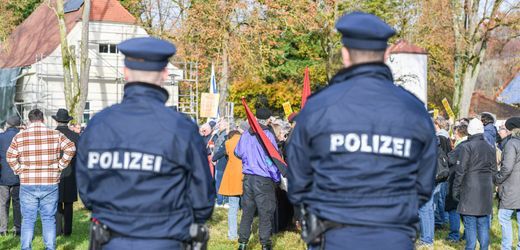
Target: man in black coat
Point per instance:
(68, 191)
(473, 185)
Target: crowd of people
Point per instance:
(474, 156)
(38, 177)
(245, 177)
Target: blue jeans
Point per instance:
(476, 227)
(427, 222)
(504, 217)
(43, 199)
(234, 204)
(454, 233)
(439, 199)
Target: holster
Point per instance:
(314, 228)
(199, 234)
(99, 235)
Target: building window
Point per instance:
(86, 112)
(107, 48)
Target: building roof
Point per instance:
(403, 46)
(110, 11)
(480, 103)
(510, 93)
(28, 44)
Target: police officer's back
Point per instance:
(142, 168)
(363, 153)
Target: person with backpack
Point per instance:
(427, 213)
(443, 148)
(67, 188)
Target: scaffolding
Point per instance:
(188, 88)
(35, 90)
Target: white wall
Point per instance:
(46, 91)
(410, 71)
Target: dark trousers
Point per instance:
(64, 218)
(221, 200)
(284, 212)
(8, 194)
(361, 237)
(259, 193)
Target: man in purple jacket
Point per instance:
(260, 179)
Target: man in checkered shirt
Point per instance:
(36, 156)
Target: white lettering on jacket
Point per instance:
(125, 160)
(377, 144)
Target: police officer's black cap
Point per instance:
(512, 123)
(146, 53)
(364, 31)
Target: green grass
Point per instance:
(219, 241)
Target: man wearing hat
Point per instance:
(9, 182)
(261, 176)
(145, 189)
(356, 166)
(67, 187)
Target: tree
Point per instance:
(473, 24)
(433, 31)
(75, 88)
(13, 13)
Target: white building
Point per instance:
(32, 55)
(409, 64)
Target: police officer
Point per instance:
(142, 168)
(362, 156)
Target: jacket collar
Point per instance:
(515, 133)
(145, 91)
(15, 129)
(264, 127)
(36, 124)
(62, 127)
(378, 68)
(479, 136)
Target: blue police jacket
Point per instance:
(363, 151)
(142, 168)
(7, 176)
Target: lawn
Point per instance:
(218, 241)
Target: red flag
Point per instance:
(268, 146)
(306, 87)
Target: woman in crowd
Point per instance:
(461, 135)
(231, 184)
